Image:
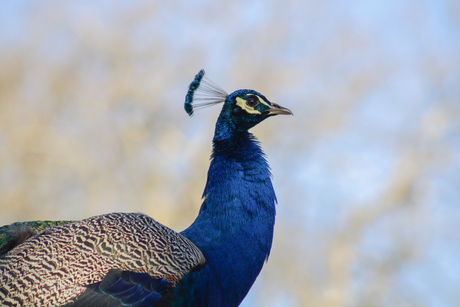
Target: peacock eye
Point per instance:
(252, 102)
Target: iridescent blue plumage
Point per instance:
(234, 228)
(214, 262)
(127, 288)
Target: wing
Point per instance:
(123, 288)
(14, 234)
(103, 258)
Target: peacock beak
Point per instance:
(276, 109)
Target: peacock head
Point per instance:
(242, 110)
(248, 108)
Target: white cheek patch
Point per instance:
(242, 104)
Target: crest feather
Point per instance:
(202, 93)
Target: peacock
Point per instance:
(129, 259)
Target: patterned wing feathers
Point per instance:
(55, 266)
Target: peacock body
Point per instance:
(129, 259)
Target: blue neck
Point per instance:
(234, 228)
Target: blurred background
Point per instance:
(367, 172)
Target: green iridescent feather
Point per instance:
(14, 234)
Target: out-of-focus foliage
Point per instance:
(366, 172)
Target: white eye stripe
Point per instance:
(242, 104)
(263, 102)
(260, 100)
